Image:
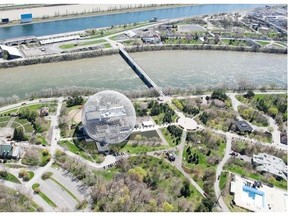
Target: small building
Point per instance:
(13, 52)
(5, 20)
(8, 151)
(26, 18)
(130, 34)
(44, 111)
(151, 39)
(241, 127)
(147, 124)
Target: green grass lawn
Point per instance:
(10, 177)
(223, 180)
(3, 123)
(263, 43)
(168, 136)
(42, 138)
(4, 118)
(76, 150)
(31, 175)
(49, 201)
(140, 148)
(43, 196)
(15, 166)
(79, 44)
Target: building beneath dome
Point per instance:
(108, 117)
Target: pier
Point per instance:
(140, 72)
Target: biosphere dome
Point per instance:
(108, 117)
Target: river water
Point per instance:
(77, 24)
(180, 69)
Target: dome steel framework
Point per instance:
(108, 117)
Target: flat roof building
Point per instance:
(261, 198)
(13, 52)
(271, 164)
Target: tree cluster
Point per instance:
(18, 135)
(73, 101)
(219, 94)
(175, 131)
(156, 109)
(193, 159)
(137, 186)
(15, 201)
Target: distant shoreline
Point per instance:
(94, 14)
(111, 51)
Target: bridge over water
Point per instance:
(140, 72)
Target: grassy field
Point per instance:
(182, 41)
(79, 44)
(76, 150)
(263, 43)
(10, 177)
(223, 180)
(169, 137)
(140, 148)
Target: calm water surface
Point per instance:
(77, 24)
(181, 69)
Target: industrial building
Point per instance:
(270, 164)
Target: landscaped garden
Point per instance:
(201, 155)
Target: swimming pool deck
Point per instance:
(263, 199)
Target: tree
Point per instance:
(249, 94)
(167, 207)
(219, 94)
(206, 205)
(273, 111)
(185, 190)
(18, 135)
(6, 55)
(204, 117)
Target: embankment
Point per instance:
(96, 53)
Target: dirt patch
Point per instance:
(75, 115)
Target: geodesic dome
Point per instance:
(108, 117)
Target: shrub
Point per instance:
(46, 175)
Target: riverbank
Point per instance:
(105, 52)
(46, 14)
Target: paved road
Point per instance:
(178, 163)
(218, 172)
(272, 123)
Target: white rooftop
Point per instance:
(11, 50)
(263, 199)
(271, 164)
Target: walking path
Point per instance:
(218, 173)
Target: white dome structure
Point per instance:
(108, 117)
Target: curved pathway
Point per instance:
(218, 173)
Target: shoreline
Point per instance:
(111, 51)
(100, 13)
